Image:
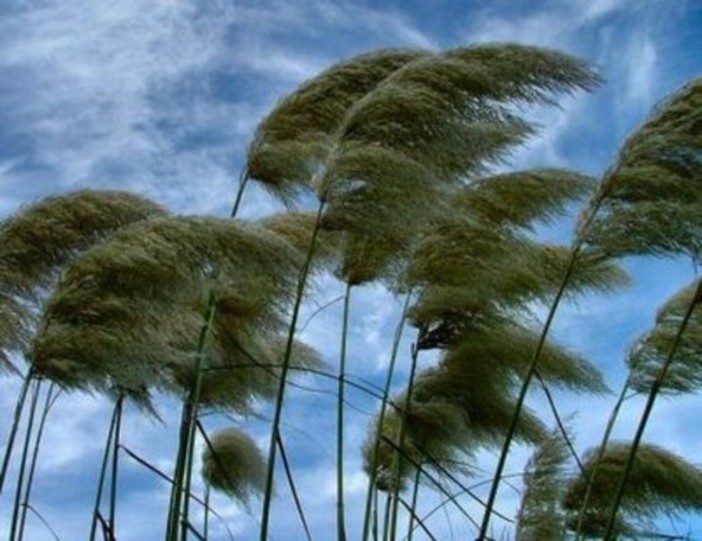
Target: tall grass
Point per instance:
(386, 163)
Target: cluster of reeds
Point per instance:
(391, 156)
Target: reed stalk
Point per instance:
(648, 408)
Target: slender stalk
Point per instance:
(15, 425)
(383, 408)
(403, 430)
(340, 528)
(243, 181)
(415, 498)
(600, 454)
(181, 478)
(280, 395)
(206, 519)
(293, 490)
(376, 494)
(583, 223)
(386, 516)
(35, 455)
(410, 510)
(115, 465)
(103, 474)
(559, 422)
(23, 464)
(648, 408)
(44, 522)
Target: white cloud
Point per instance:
(641, 60)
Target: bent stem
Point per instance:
(49, 400)
(184, 462)
(648, 408)
(415, 498)
(383, 408)
(15, 425)
(115, 464)
(403, 430)
(578, 243)
(280, 395)
(600, 454)
(23, 464)
(341, 530)
(103, 473)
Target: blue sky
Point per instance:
(161, 97)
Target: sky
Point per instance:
(161, 97)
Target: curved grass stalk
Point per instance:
(559, 422)
(413, 516)
(243, 181)
(186, 444)
(341, 529)
(280, 395)
(49, 401)
(183, 469)
(16, 418)
(413, 507)
(115, 464)
(586, 219)
(293, 490)
(103, 474)
(23, 463)
(206, 513)
(166, 478)
(648, 408)
(598, 460)
(44, 522)
(403, 429)
(385, 400)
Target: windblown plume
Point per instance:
(652, 195)
(233, 464)
(540, 517)
(37, 242)
(451, 414)
(417, 127)
(650, 353)
(659, 482)
(297, 134)
(127, 313)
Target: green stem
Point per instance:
(103, 474)
(183, 468)
(115, 465)
(648, 408)
(293, 489)
(386, 516)
(415, 498)
(206, 520)
(35, 455)
(397, 466)
(15, 425)
(280, 395)
(482, 536)
(598, 460)
(340, 528)
(23, 463)
(243, 181)
(383, 408)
